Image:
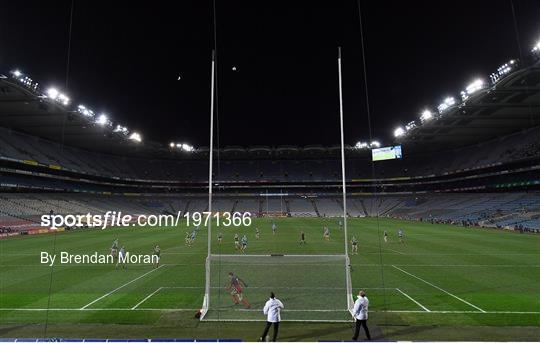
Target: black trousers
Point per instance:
(357, 330)
(276, 329)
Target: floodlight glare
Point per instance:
(503, 70)
(63, 99)
(85, 111)
(17, 73)
(398, 132)
(536, 47)
(447, 103)
(52, 93)
(187, 147)
(102, 119)
(361, 145)
(171, 145)
(375, 144)
(474, 86)
(122, 129)
(135, 137)
(411, 125)
(426, 115)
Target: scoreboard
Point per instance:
(386, 153)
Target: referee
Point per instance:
(360, 313)
(272, 310)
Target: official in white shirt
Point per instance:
(272, 310)
(360, 313)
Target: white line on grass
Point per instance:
(99, 309)
(399, 252)
(290, 310)
(439, 288)
(416, 302)
(277, 255)
(269, 287)
(294, 264)
(285, 320)
(385, 248)
(196, 309)
(116, 289)
(148, 297)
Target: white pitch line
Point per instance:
(148, 297)
(411, 298)
(296, 264)
(290, 310)
(196, 309)
(283, 320)
(266, 287)
(116, 289)
(99, 309)
(399, 252)
(384, 248)
(277, 255)
(439, 288)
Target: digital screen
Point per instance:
(386, 153)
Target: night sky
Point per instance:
(126, 57)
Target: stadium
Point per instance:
(444, 209)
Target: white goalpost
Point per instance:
(206, 300)
(315, 287)
(350, 301)
(311, 286)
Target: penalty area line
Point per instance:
(147, 297)
(118, 288)
(196, 309)
(411, 298)
(439, 288)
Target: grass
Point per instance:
(444, 283)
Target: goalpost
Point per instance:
(313, 287)
(206, 299)
(350, 300)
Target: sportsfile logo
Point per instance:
(109, 219)
(119, 219)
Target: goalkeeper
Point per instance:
(236, 287)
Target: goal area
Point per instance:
(311, 287)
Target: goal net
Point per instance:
(312, 287)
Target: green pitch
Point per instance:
(443, 282)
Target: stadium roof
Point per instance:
(511, 105)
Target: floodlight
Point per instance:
(135, 137)
(426, 115)
(17, 73)
(474, 86)
(187, 147)
(121, 129)
(536, 47)
(63, 99)
(52, 93)
(375, 144)
(411, 125)
(361, 145)
(398, 132)
(447, 103)
(102, 119)
(503, 70)
(85, 111)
